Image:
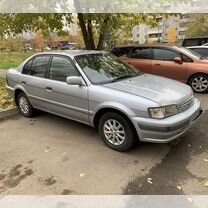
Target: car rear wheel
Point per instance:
(199, 83)
(24, 105)
(117, 132)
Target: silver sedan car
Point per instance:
(99, 90)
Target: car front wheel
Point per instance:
(117, 131)
(24, 105)
(199, 83)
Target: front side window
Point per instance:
(104, 68)
(140, 53)
(40, 66)
(165, 54)
(61, 68)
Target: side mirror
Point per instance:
(75, 80)
(178, 60)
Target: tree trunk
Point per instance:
(90, 33)
(102, 33)
(84, 30)
(101, 42)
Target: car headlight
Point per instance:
(163, 112)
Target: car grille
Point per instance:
(185, 106)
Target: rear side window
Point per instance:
(61, 68)
(40, 66)
(201, 51)
(140, 53)
(165, 54)
(121, 51)
(27, 67)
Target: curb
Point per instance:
(8, 112)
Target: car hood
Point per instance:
(162, 90)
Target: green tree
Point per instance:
(199, 26)
(95, 27)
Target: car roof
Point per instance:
(71, 53)
(153, 46)
(206, 47)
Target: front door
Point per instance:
(163, 64)
(63, 99)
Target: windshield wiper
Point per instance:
(124, 77)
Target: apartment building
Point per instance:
(145, 34)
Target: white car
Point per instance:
(202, 50)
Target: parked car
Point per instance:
(177, 63)
(99, 90)
(202, 50)
(195, 41)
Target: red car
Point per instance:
(177, 63)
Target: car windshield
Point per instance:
(191, 53)
(105, 68)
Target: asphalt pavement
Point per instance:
(52, 155)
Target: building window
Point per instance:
(182, 32)
(155, 35)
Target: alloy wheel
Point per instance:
(114, 132)
(200, 84)
(24, 105)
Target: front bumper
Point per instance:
(166, 130)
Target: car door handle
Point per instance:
(157, 64)
(23, 82)
(49, 89)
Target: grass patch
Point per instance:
(12, 59)
(6, 100)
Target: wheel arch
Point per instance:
(105, 110)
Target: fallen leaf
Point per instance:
(149, 180)
(206, 184)
(205, 160)
(47, 150)
(179, 187)
(190, 199)
(82, 175)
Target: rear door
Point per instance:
(140, 58)
(33, 79)
(67, 100)
(163, 64)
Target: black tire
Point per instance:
(29, 113)
(198, 88)
(129, 135)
